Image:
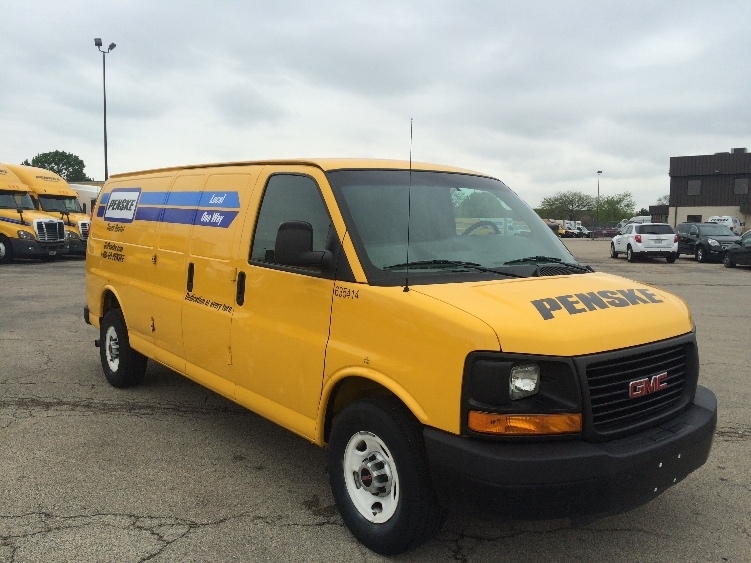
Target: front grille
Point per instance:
(612, 406)
(84, 226)
(50, 231)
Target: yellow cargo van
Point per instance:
(375, 307)
(24, 232)
(52, 195)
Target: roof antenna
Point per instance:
(409, 205)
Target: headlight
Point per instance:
(713, 242)
(71, 235)
(25, 235)
(524, 381)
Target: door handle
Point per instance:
(191, 269)
(240, 295)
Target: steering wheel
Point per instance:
(479, 224)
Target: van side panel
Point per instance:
(209, 301)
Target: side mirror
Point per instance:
(294, 246)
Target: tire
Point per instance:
(671, 259)
(6, 250)
(700, 254)
(727, 260)
(630, 256)
(123, 366)
(378, 444)
(613, 253)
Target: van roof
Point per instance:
(9, 181)
(41, 181)
(325, 164)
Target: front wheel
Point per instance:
(727, 260)
(123, 366)
(700, 254)
(379, 476)
(613, 253)
(6, 250)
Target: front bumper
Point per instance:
(77, 246)
(35, 249)
(571, 479)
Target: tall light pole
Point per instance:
(98, 44)
(598, 196)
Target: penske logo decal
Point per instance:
(577, 303)
(122, 204)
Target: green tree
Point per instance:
(568, 205)
(617, 207)
(65, 164)
(663, 200)
(479, 204)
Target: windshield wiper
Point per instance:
(548, 259)
(447, 265)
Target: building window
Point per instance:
(694, 187)
(741, 186)
(693, 218)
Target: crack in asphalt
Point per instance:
(165, 530)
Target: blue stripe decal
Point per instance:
(105, 199)
(14, 221)
(225, 200)
(222, 219)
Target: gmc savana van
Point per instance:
(375, 308)
(24, 232)
(53, 196)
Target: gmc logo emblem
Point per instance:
(645, 386)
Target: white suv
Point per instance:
(645, 239)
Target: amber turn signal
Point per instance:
(524, 424)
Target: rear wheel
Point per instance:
(727, 260)
(613, 253)
(671, 259)
(123, 366)
(701, 255)
(6, 250)
(379, 476)
(630, 256)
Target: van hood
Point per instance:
(569, 315)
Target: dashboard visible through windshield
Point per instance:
(441, 225)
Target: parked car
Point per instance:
(705, 241)
(738, 253)
(583, 232)
(645, 239)
(569, 233)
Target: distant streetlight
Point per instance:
(98, 44)
(598, 195)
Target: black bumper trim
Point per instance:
(572, 479)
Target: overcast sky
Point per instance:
(538, 94)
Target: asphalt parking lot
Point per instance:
(169, 471)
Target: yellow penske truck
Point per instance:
(24, 232)
(52, 195)
(375, 308)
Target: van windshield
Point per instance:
(440, 224)
(15, 200)
(58, 204)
